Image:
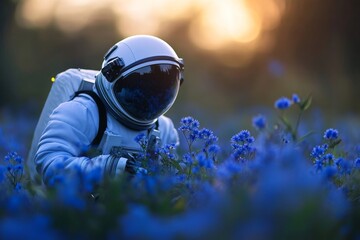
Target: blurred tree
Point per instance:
(7, 9)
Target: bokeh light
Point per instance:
(216, 23)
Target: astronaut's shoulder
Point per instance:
(84, 99)
(165, 122)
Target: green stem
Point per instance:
(298, 123)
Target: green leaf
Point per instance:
(333, 144)
(286, 122)
(305, 136)
(176, 164)
(306, 103)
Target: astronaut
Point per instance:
(138, 82)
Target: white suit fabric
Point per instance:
(72, 127)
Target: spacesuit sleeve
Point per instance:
(169, 134)
(72, 127)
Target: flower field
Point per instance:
(278, 180)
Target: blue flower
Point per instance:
(283, 103)
(139, 137)
(194, 134)
(344, 167)
(318, 151)
(228, 170)
(190, 128)
(329, 172)
(295, 98)
(13, 156)
(187, 159)
(189, 124)
(166, 153)
(8, 157)
(70, 196)
(241, 137)
(205, 133)
(2, 173)
(214, 149)
(241, 144)
(239, 152)
(16, 203)
(142, 140)
(92, 179)
(357, 163)
(150, 185)
(28, 227)
(208, 136)
(339, 162)
(259, 122)
(18, 168)
(195, 170)
(328, 158)
(18, 187)
(140, 223)
(331, 134)
(318, 165)
(204, 162)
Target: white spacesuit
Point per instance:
(138, 83)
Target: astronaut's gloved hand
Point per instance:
(133, 167)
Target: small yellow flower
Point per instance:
(53, 79)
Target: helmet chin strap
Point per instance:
(118, 115)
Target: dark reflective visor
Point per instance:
(148, 92)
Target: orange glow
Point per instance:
(147, 17)
(214, 24)
(223, 22)
(35, 13)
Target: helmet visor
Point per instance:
(148, 92)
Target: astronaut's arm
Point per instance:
(169, 134)
(69, 133)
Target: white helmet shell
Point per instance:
(129, 55)
(139, 47)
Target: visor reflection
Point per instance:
(148, 92)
